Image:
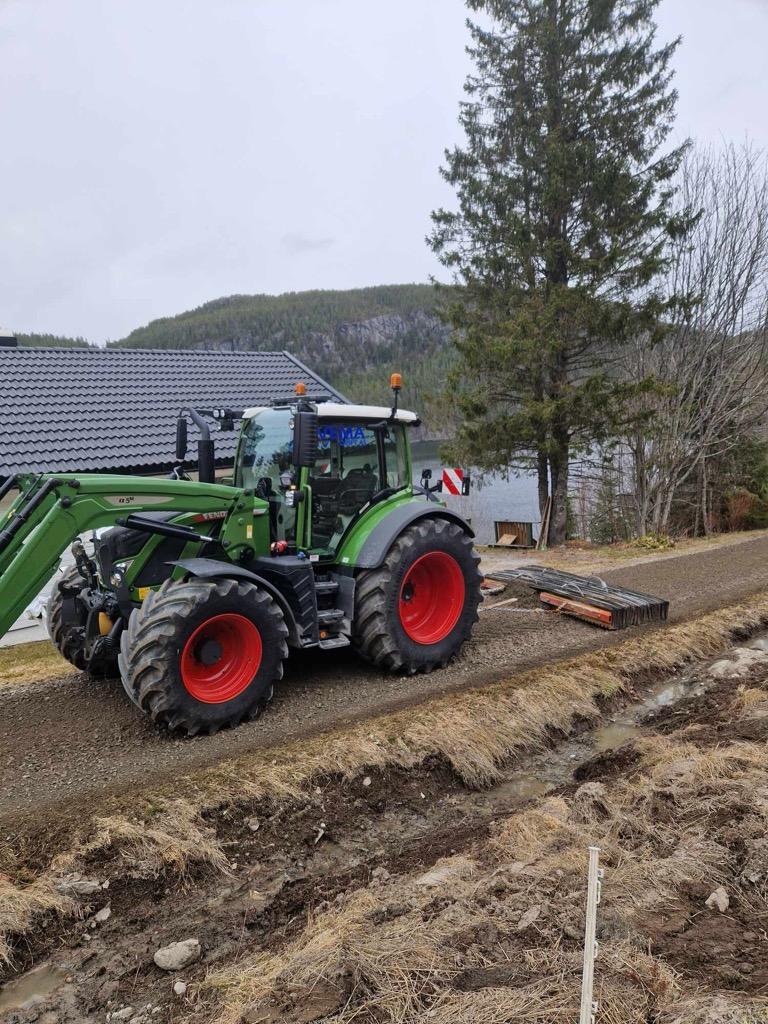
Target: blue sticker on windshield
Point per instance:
(346, 437)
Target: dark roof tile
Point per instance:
(115, 409)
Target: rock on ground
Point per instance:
(125, 1014)
(718, 900)
(739, 663)
(447, 871)
(178, 955)
(78, 887)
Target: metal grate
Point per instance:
(588, 597)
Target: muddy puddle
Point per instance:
(634, 721)
(556, 766)
(523, 787)
(31, 988)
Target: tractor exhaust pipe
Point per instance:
(206, 468)
(206, 455)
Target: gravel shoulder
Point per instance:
(69, 742)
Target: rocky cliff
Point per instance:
(354, 339)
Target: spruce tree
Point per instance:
(563, 192)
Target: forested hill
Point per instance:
(352, 338)
(50, 341)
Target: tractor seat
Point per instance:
(358, 487)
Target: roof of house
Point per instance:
(96, 410)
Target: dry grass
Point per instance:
(139, 846)
(170, 836)
(21, 905)
(398, 952)
(708, 1009)
(32, 663)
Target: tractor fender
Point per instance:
(384, 534)
(210, 568)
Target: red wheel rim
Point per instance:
(431, 597)
(221, 658)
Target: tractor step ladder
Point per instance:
(331, 643)
(331, 619)
(324, 587)
(329, 616)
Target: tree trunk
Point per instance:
(542, 471)
(665, 508)
(705, 499)
(559, 516)
(640, 487)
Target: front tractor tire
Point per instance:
(201, 655)
(416, 610)
(68, 637)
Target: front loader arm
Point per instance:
(52, 511)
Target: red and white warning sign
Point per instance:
(453, 481)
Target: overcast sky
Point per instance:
(155, 154)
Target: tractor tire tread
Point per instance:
(373, 636)
(151, 631)
(68, 646)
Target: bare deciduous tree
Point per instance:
(711, 367)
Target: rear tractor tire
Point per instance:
(67, 638)
(202, 655)
(415, 612)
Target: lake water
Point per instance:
(494, 499)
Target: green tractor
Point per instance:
(197, 589)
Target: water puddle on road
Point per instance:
(670, 693)
(31, 988)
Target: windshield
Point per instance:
(265, 454)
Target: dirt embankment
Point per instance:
(72, 742)
(406, 893)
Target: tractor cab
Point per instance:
(361, 457)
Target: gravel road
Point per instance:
(71, 741)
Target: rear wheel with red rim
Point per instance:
(417, 609)
(431, 597)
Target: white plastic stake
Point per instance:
(588, 1006)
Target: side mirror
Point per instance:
(305, 443)
(181, 438)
